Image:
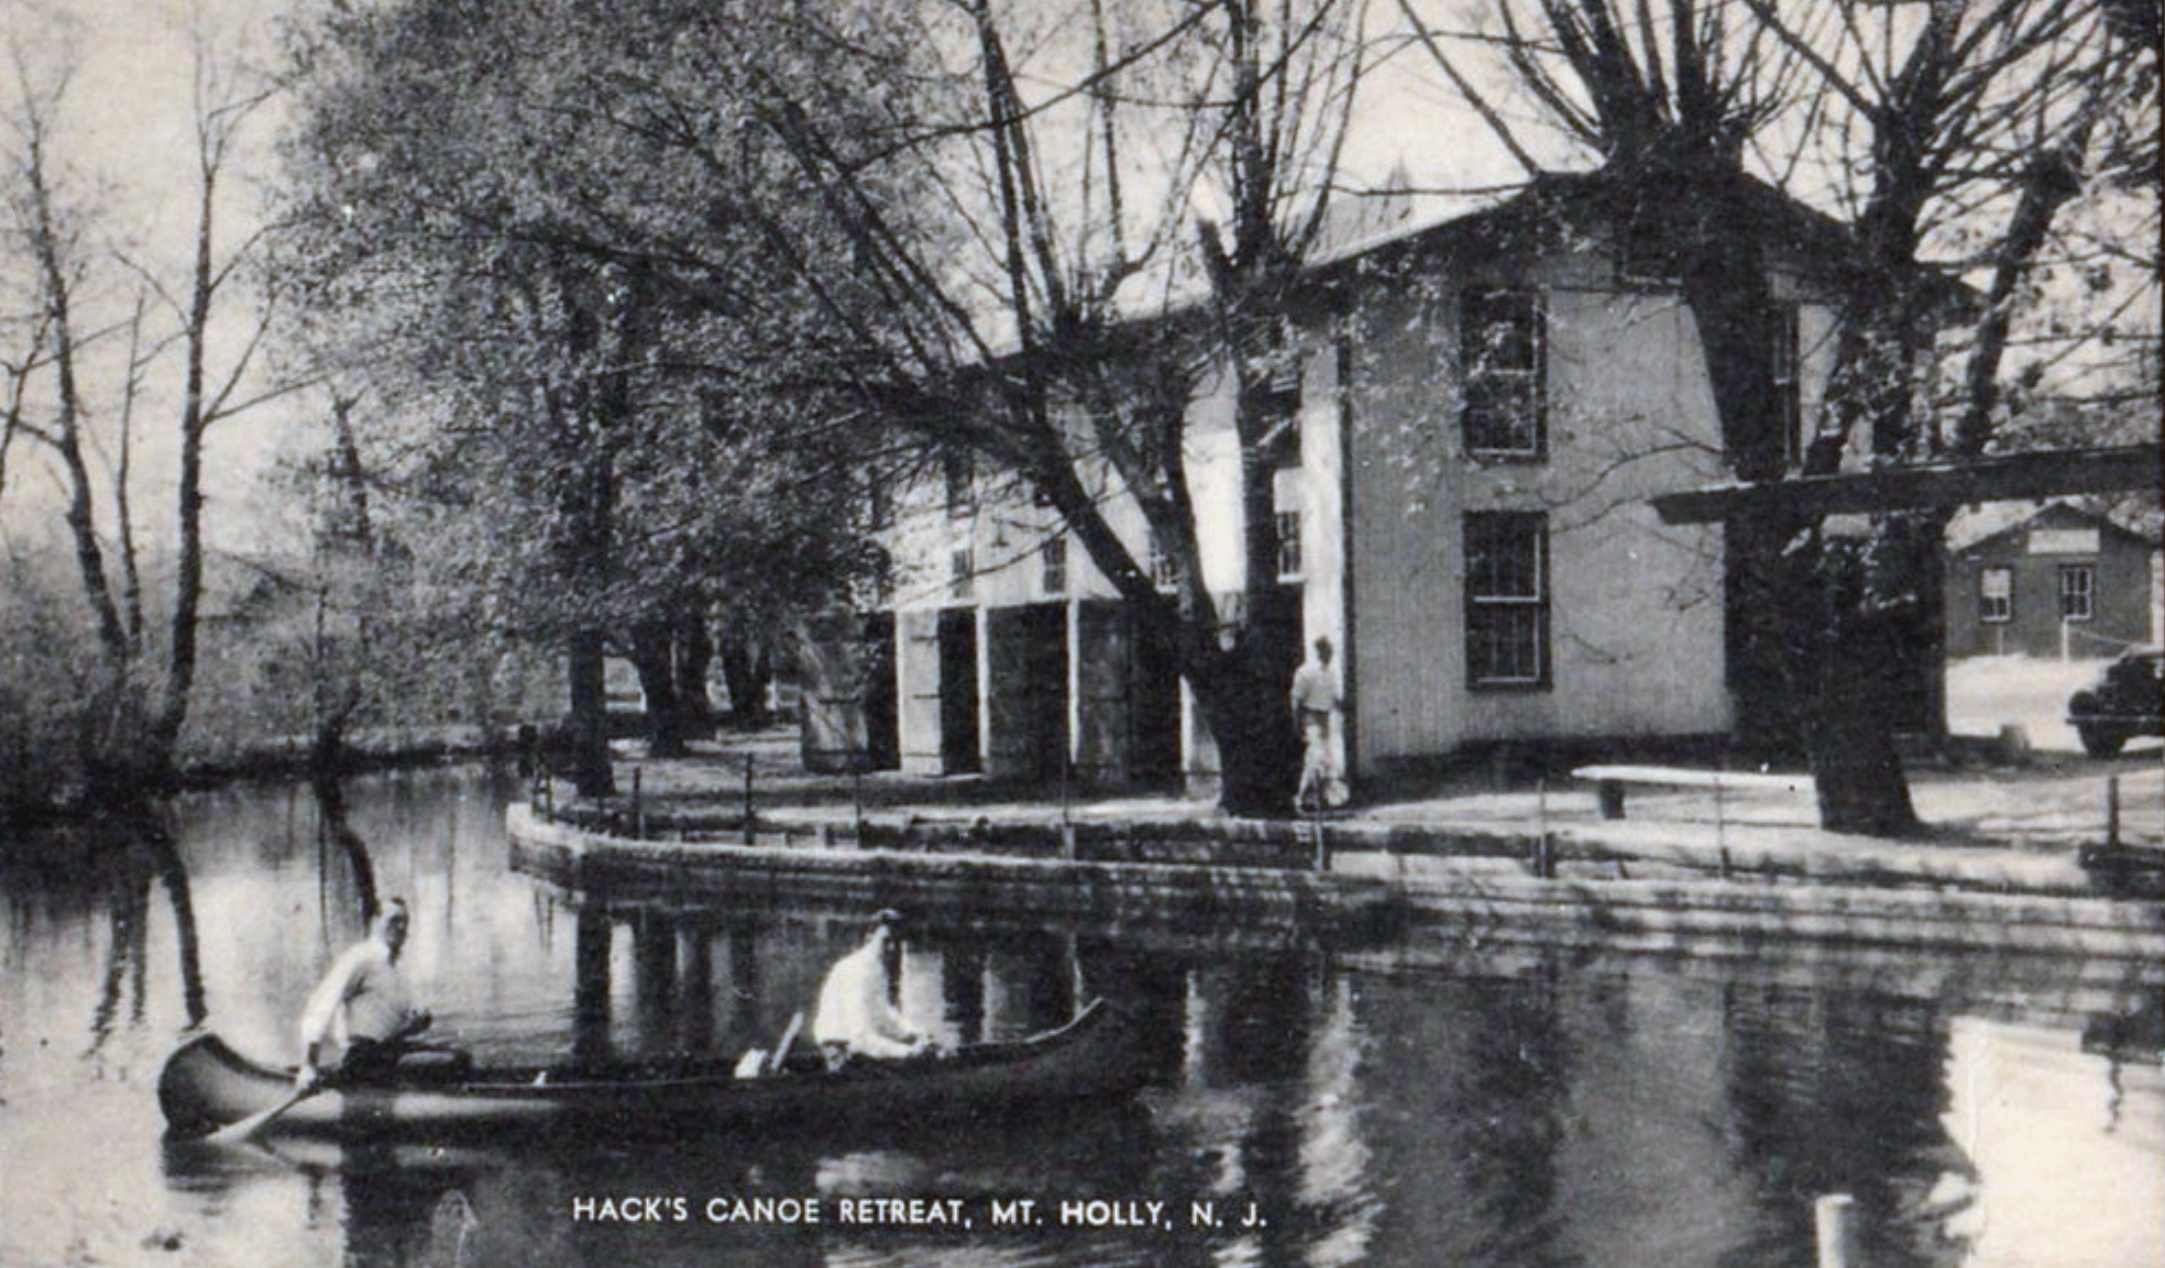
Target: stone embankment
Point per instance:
(1525, 867)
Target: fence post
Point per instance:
(1721, 820)
(2112, 812)
(638, 805)
(748, 840)
(856, 796)
(1835, 1231)
(1544, 860)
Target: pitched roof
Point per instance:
(1979, 524)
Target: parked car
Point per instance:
(2128, 699)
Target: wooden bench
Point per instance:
(1610, 782)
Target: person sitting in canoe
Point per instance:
(856, 1016)
(360, 1013)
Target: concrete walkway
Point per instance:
(2010, 828)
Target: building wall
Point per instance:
(1635, 641)
(1636, 635)
(2122, 601)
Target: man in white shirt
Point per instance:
(1316, 698)
(360, 1017)
(856, 1014)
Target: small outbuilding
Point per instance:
(2056, 580)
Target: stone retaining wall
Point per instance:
(1479, 896)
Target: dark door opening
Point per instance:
(1153, 714)
(882, 709)
(958, 692)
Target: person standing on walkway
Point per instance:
(1317, 698)
(361, 1018)
(856, 1016)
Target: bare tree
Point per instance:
(59, 387)
(1071, 197)
(1947, 126)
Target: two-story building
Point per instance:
(1481, 408)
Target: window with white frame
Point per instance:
(1502, 344)
(1996, 595)
(1052, 566)
(1507, 599)
(2078, 592)
(961, 573)
(1289, 545)
(1785, 328)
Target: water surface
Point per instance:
(1438, 1101)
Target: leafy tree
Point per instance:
(553, 312)
(973, 208)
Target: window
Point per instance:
(1289, 545)
(1507, 599)
(1501, 350)
(1996, 595)
(1052, 566)
(957, 473)
(1788, 392)
(880, 501)
(2078, 589)
(961, 570)
(1164, 574)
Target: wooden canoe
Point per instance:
(206, 1085)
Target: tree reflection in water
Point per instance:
(1426, 1102)
(116, 865)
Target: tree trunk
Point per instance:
(695, 657)
(746, 671)
(589, 723)
(1855, 764)
(1242, 693)
(653, 648)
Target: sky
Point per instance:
(128, 127)
(125, 141)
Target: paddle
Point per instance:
(781, 1050)
(237, 1133)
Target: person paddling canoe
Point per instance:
(360, 1020)
(856, 1016)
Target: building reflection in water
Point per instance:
(1452, 1105)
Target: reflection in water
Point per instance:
(1491, 1107)
(2046, 1138)
(336, 839)
(122, 866)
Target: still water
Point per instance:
(1433, 1101)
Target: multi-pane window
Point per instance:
(1786, 331)
(957, 473)
(1996, 595)
(1289, 545)
(2078, 592)
(1507, 599)
(1501, 351)
(961, 571)
(1052, 566)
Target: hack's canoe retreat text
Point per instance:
(934, 1213)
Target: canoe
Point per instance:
(206, 1085)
